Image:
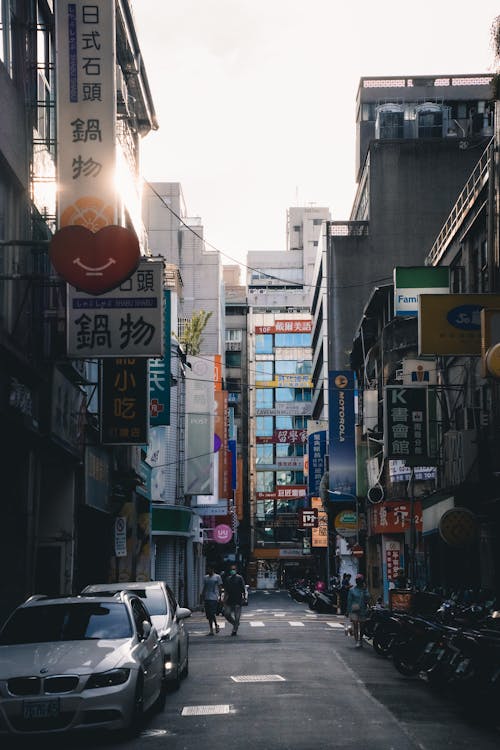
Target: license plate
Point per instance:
(41, 709)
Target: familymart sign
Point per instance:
(412, 281)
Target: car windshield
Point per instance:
(67, 622)
(153, 597)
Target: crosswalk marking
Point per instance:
(296, 624)
(256, 624)
(335, 624)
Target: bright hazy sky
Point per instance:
(256, 98)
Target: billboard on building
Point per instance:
(341, 428)
(412, 281)
(450, 324)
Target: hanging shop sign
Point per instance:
(86, 112)
(286, 326)
(319, 534)
(346, 523)
(308, 518)
(406, 433)
(412, 281)
(68, 413)
(342, 446)
(394, 517)
(126, 322)
(222, 533)
(450, 324)
(124, 402)
(289, 437)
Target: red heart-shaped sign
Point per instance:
(95, 263)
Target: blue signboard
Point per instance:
(342, 442)
(316, 451)
(159, 376)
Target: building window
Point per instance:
(291, 423)
(233, 359)
(457, 280)
(264, 426)
(45, 103)
(234, 334)
(289, 478)
(264, 371)
(264, 454)
(266, 481)
(264, 343)
(284, 450)
(5, 34)
(264, 398)
(317, 222)
(293, 339)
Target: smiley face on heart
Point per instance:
(95, 263)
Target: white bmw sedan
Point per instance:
(79, 663)
(167, 617)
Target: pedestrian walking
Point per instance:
(344, 591)
(357, 608)
(234, 593)
(210, 595)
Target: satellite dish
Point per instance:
(375, 494)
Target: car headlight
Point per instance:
(107, 679)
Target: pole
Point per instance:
(412, 561)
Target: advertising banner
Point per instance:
(124, 402)
(221, 437)
(342, 445)
(86, 112)
(290, 437)
(294, 381)
(199, 437)
(126, 322)
(450, 324)
(159, 374)
(316, 454)
(319, 535)
(412, 281)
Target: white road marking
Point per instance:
(296, 624)
(258, 678)
(256, 624)
(222, 708)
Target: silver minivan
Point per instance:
(167, 618)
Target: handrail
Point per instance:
(464, 202)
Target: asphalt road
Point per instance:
(291, 680)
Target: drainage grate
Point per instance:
(222, 708)
(258, 678)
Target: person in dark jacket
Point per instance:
(234, 594)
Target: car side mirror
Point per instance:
(182, 612)
(145, 630)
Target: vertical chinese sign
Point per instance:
(406, 433)
(199, 435)
(342, 444)
(159, 375)
(86, 113)
(124, 402)
(316, 453)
